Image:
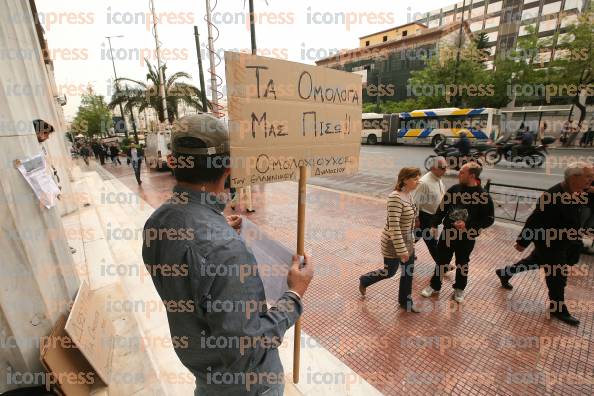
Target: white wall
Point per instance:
(38, 276)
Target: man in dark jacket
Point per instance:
(114, 152)
(463, 144)
(135, 156)
(466, 209)
(555, 227)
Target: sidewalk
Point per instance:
(497, 342)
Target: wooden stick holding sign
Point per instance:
(301, 200)
(287, 119)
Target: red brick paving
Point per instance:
(493, 344)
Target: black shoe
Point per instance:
(410, 307)
(566, 317)
(563, 315)
(504, 279)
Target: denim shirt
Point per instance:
(221, 327)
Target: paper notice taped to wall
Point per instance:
(35, 171)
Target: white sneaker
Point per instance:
(459, 296)
(428, 292)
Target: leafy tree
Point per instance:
(574, 60)
(143, 95)
(369, 107)
(520, 74)
(448, 81)
(481, 40)
(93, 116)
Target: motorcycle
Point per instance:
(452, 155)
(533, 156)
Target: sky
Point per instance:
(301, 31)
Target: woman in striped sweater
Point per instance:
(398, 239)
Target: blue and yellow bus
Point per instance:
(430, 127)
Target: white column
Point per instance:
(38, 275)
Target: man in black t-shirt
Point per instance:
(466, 209)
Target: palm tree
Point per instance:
(148, 94)
(130, 98)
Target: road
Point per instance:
(379, 167)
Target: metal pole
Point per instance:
(457, 99)
(252, 27)
(160, 69)
(117, 84)
(213, 76)
(379, 83)
(201, 71)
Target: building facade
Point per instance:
(386, 59)
(505, 21)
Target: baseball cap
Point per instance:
(200, 134)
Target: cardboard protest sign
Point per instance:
(284, 115)
(91, 329)
(67, 368)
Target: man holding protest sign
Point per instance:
(223, 332)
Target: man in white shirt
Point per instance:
(427, 197)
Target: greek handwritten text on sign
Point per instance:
(283, 115)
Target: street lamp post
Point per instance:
(117, 84)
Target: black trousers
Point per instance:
(390, 268)
(426, 220)
(137, 171)
(446, 249)
(555, 274)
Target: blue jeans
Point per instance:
(426, 221)
(390, 268)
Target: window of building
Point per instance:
(507, 42)
(494, 7)
(477, 12)
(524, 29)
(545, 41)
(571, 4)
(404, 33)
(565, 38)
(367, 43)
(492, 36)
(448, 19)
(547, 25)
(492, 22)
(385, 38)
(551, 8)
(569, 20)
(530, 13)
(543, 57)
(476, 26)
